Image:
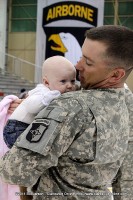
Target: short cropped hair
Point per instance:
(119, 42)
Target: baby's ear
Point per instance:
(45, 81)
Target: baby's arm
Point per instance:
(24, 114)
(35, 103)
(17, 122)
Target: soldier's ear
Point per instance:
(117, 75)
(45, 81)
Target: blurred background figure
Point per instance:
(23, 93)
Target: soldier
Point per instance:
(123, 182)
(75, 146)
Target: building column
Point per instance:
(3, 32)
(116, 7)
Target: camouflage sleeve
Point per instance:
(124, 179)
(42, 143)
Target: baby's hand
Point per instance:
(14, 105)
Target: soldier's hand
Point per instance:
(14, 105)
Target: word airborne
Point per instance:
(70, 10)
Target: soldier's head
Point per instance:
(59, 74)
(107, 57)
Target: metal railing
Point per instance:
(21, 68)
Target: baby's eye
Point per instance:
(63, 81)
(73, 81)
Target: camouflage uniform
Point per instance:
(75, 146)
(123, 183)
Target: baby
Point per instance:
(59, 76)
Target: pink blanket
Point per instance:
(7, 192)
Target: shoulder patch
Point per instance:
(37, 130)
(40, 134)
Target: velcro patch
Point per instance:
(43, 130)
(37, 130)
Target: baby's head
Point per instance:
(59, 74)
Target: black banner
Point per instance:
(70, 10)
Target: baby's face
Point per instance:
(63, 80)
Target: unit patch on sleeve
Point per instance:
(37, 130)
